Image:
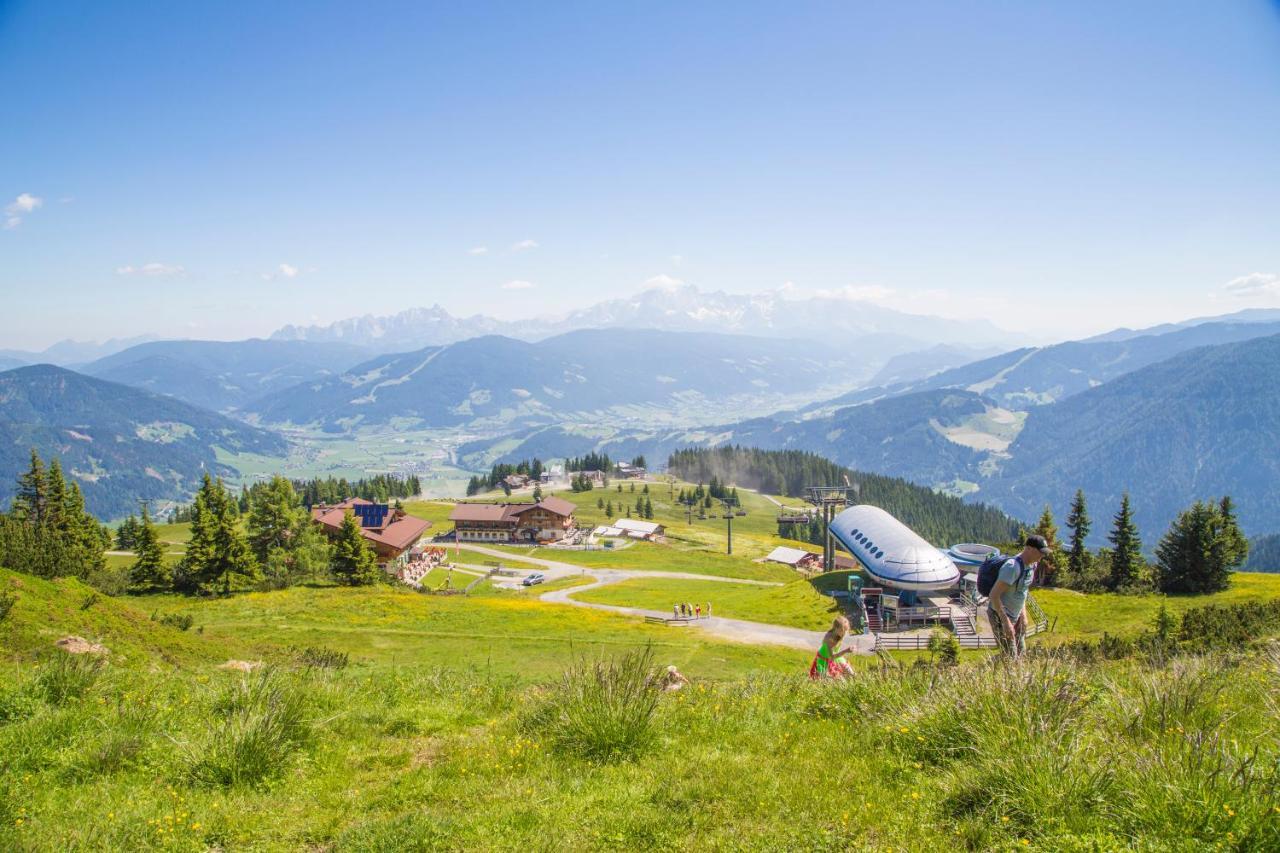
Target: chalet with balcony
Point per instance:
(548, 520)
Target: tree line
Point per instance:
(531, 468)
(1197, 554)
(937, 517)
(380, 488)
(47, 531)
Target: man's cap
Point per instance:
(1038, 542)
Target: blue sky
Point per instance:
(220, 169)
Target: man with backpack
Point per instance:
(1007, 599)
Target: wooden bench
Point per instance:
(666, 620)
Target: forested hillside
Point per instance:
(1264, 554)
(121, 444)
(222, 375)
(1200, 425)
(941, 519)
(497, 380)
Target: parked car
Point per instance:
(536, 577)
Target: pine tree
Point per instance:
(149, 572)
(33, 492)
(1188, 558)
(1126, 556)
(1234, 545)
(537, 493)
(274, 514)
(218, 555)
(608, 509)
(1078, 523)
(1046, 572)
(354, 563)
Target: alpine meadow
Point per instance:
(678, 427)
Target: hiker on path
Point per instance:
(697, 611)
(708, 609)
(675, 609)
(829, 661)
(1007, 604)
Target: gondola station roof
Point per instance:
(892, 553)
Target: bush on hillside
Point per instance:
(262, 720)
(602, 710)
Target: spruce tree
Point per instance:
(1233, 544)
(33, 492)
(1126, 556)
(608, 509)
(354, 563)
(1048, 569)
(149, 572)
(1189, 556)
(218, 555)
(537, 493)
(1078, 523)
(274, 515)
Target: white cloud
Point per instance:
(152, 270)
(662, 282)
(282, 271)
(859, 293)
(15, 210)
(478, 250)
(524, 245)
(518, 284)
(1254, 284)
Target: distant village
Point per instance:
(405, 548)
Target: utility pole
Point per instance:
(728, 520)
(829, 500)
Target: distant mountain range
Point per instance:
(859, 325)
(621, 375)
(69, 353)
(224, 375)
(1199, 425)
(120, 443)
(1024, 378)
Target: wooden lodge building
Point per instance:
(549, 520)
(392, 532)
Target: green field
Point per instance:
(798, 604)
(452, 727)
(1087, 616)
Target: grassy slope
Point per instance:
(47, 610)
(1088, 616)
(399, 754)
(507, 633)
(798, 604)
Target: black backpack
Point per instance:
(989, 572)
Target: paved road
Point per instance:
(739, 630)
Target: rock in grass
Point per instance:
(80, 646)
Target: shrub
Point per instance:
(181, 621)
(65, 677)
(324, 658)
(602, 710)
(90, 600)
(262, 721)
(7, 600)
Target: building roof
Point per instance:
(398, 530)
(789, 556)
(479, 512)
(401, 533)
(630, 524)
(508, 512)
(559, 506)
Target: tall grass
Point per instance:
(262, 719)
(601, 710)
(65, 677)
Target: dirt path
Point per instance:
(738, 630)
